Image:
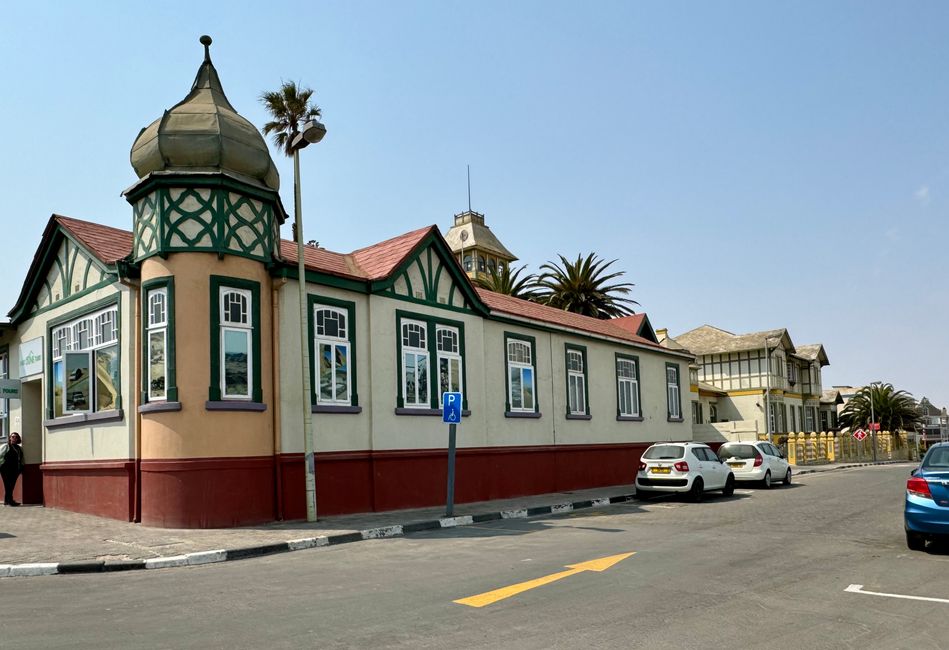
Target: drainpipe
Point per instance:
(135, 397)
(277, 424)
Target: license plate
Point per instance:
(736, 464)
(661, 470)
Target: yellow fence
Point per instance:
(834, 447)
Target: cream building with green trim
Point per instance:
(160, 365)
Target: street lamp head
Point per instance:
(313, 131)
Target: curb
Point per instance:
(802, 472)
(246, 552)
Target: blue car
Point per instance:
(926, 514)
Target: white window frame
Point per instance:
(576, 383)
(673, 392)
(4, 403)
(416, 352)
(808, 419)
(335, 342)
(157, 326)
(246, 328)
(66, 338)
(632, 385)
(513, 364)
(449, 355)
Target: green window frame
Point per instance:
(520, 363)
(251, 289)
(158, 325)
(673, 393)
(576, 372)
(425, 330)
(83, 339)
(628, 388)
(337, 345)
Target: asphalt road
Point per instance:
(765, 568)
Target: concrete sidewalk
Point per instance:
(42, 541)
(801, 470)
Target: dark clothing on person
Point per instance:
(10, 468)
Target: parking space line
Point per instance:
(858, 589)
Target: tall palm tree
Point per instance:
(584, 287)
(290, 109)
(895, 410)
(510, 283)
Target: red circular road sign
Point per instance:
(860, 434)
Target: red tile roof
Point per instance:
(380, 260)
(526, 309)
(107, 243)
(630, 323)
(320, 259)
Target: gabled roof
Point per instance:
(712, 340)
(831, 396)
(104, 244)
(637, 324)
(812, 352)
(477, 235)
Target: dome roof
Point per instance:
(203, 132)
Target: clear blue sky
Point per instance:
(751, 165)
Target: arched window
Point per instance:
(449, 359)
(237, 334)
(332, 347)
(468, 263)
(520, 371)
(157, 344)
(576, 383)
(415, 365)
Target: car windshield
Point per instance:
(664, 452)
(737, 451)
(937, 458)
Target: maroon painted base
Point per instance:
(208, 492)
(102, 488)
(367, 481)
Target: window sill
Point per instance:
(579, 416)
(82, 418)
(629, 418)
(234, 405)
(335, 408)
(675, 420)
(521, 414)
(159, 407)
(438, 412)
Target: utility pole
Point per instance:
(873, 431)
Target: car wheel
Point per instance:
(787, 477)
(697, 491)
(729, 488)
(915, 541)
(767, 480)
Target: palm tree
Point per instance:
(290, 108)
(895, 410)
(509, 282)
(584, 287)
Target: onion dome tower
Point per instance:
(207, 218)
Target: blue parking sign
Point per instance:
(451, 407)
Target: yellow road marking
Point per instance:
(601, 564)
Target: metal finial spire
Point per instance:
(206, 42)
(469, 188)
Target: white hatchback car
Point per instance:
(757, 461)
(683, 467)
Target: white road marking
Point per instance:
(858, 589)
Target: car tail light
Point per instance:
(642, 467)
(919, 487)
(681, 466)
(758, 460)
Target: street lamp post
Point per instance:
(767, 395)
(312, 132)
(873, 431)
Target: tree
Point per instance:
(583, 287)
(894, 410)
(510, 283)
(290, 109)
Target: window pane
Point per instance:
(342, 373)
(107, 378)
(156, 364)
(411, 390)
(624, 400)
(528, 380)
(77, 382)
(422, 373)
(326, 371)
(634, 396)
(516, 389)
(573, 394)
(236, 363)
(456, 375)
(58, 384)
(235, 308)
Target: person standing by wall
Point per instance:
(11, 465)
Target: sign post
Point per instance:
(451, 413)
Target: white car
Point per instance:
(757, 461)
(683, 467)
